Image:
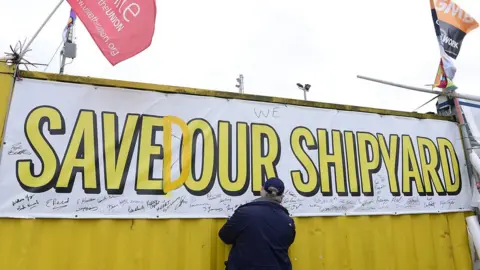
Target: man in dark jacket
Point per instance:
(261, 232)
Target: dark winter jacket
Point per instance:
(261, 233)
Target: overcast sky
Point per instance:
(274, 44)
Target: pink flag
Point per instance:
(120, 28)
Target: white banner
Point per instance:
(81, 151)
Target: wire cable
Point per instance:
(430, 100)
(53, 56)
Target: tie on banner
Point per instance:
(120, 28)
(71, 22)
(451, 24)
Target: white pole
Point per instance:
(64, 59)
(24, 51)
(436, 92)
(69, 40)
(474, 230)
(241, 84)
(418, 89)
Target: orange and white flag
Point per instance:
(451, 24)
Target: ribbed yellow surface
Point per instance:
(436, 241)
(6, 79)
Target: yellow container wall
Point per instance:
(436, 241)
(6, 80)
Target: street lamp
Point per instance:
(305, 89)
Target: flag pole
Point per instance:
(68, 42)
(25, 49)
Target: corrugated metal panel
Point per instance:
(436, 241)
(6, 79)
(377, 242)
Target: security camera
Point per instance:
(300, 86)
(307, 87)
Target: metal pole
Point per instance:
(401, 85)
(465, 137)
(418, 89)
(304, 93)
(69, 37)
(22, 54)
(64, 59)
(241, 84)
(461, 121)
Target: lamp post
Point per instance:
(305, 88)
(240, 84)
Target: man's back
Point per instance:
(261, 233)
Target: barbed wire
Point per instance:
(15, 55)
